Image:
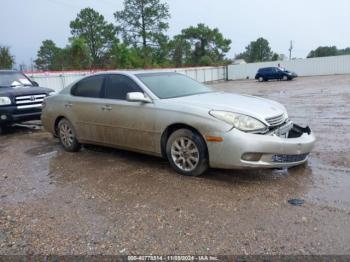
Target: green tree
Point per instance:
(206, 42)
(123, 56)
(118, 56)
(257, 51)
(160, 55)
(6, 59)
(78, 54)
(98, 34)
(275, 57)
(345, 51)
(48, 57)
(143, 23)
(323, 51)
(136, 57)
(180, 51)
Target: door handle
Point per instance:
(106, 108)
(68, 105)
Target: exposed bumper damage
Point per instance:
(286, 146)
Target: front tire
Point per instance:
(285, 78)
(67, 136)
(4, 129)
(261, 79)
(187, 153)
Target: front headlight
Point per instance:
(4, 100)
(52, 93)
(242, 122)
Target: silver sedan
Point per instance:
(172, 116)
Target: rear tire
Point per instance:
(67, 136)
(187, 153)
(1, 130)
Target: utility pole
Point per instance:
(290, 50)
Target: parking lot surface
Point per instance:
(107, 201)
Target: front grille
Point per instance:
(276, 120)
(288, 158)
(30, 101)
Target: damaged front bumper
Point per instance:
(274, 150)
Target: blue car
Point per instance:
(274, 73)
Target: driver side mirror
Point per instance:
(35, 83)
(138, 97)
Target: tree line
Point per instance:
(259, 51)
(323, 51)
(138, 39)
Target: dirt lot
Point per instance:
(104, 201)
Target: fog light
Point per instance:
(254, 157)
(3, 117)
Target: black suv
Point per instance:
(20, 98)
(274, 73)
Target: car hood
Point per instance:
(22, 91)
(257, 107)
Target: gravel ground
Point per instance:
(105, 201)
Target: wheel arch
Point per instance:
(57, 120)
(171, 129)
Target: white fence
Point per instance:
(58, 80)
(303, 67)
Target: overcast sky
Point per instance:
(309, 23)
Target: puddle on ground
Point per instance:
(331, 188)
(42, 151)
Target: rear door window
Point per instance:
(89, 87)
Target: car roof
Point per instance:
(137, 72)
(264, 68)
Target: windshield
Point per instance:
(13, 79)
(171, 85)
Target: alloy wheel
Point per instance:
(185, 154)
(66, 135)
